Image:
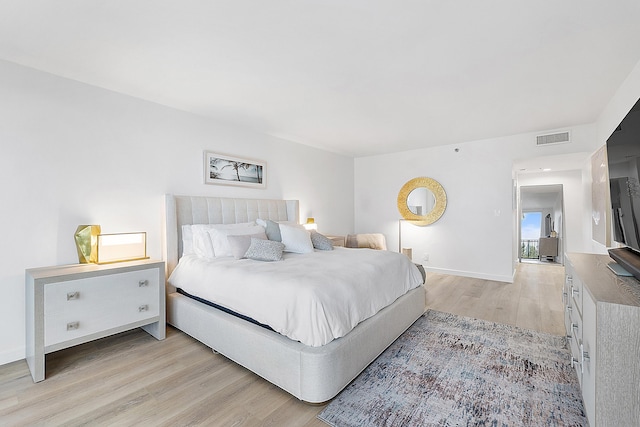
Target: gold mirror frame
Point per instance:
(431, 216)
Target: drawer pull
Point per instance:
(569, 279)
(584, 356)
(575, 291)
(142, 283)
(569, 308)
(73, 295)
(72, 326)
(143, 307)
(574, 326)
(574, 362)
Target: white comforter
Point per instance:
(312, 298)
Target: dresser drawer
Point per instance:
(82, 307)
(575, 291)
(574, 346)
(575, 327)
(567, 304)
(567, 320)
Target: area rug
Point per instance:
(448, 370)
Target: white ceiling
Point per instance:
(357, 77)
(559, 162)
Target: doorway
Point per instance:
(541, 228)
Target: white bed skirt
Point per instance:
(312, 374)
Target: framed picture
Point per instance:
(228, 170)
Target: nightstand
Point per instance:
(336, 240)
(73, 304)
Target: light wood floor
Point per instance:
(532, 301)
(132, 379)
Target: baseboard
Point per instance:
(12, 355)
(494, 277)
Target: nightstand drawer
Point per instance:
(61, 327)
(100, 292)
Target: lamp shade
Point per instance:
(121, 247)
(310, 224)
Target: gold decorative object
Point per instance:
(422, 214)
(86, 238)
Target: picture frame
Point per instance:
(221, 169)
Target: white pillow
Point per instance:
(272, 228)
(263, 222)
(201, 241)
(220, 241)
(202, 245)
(296, 239)
(187, 240)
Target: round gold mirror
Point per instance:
(422, 201)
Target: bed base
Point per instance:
(312, 374)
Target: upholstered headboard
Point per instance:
(183, 210)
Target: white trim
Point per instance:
(494, 277)
(12, 355)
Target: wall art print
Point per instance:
(228, 170)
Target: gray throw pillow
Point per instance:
(321, 242)
(240, 244)
(264, 250)
(273, 231)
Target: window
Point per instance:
(530, 234)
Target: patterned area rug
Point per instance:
(448, 370)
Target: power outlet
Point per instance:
(425, 257)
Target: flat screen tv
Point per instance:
(623, 155)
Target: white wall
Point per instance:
(75, 154)
(474, 237)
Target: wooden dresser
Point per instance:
(73, 304)
(602, 319)
(548, 247)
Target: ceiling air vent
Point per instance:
(554, 138)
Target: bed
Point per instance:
(313, 374)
